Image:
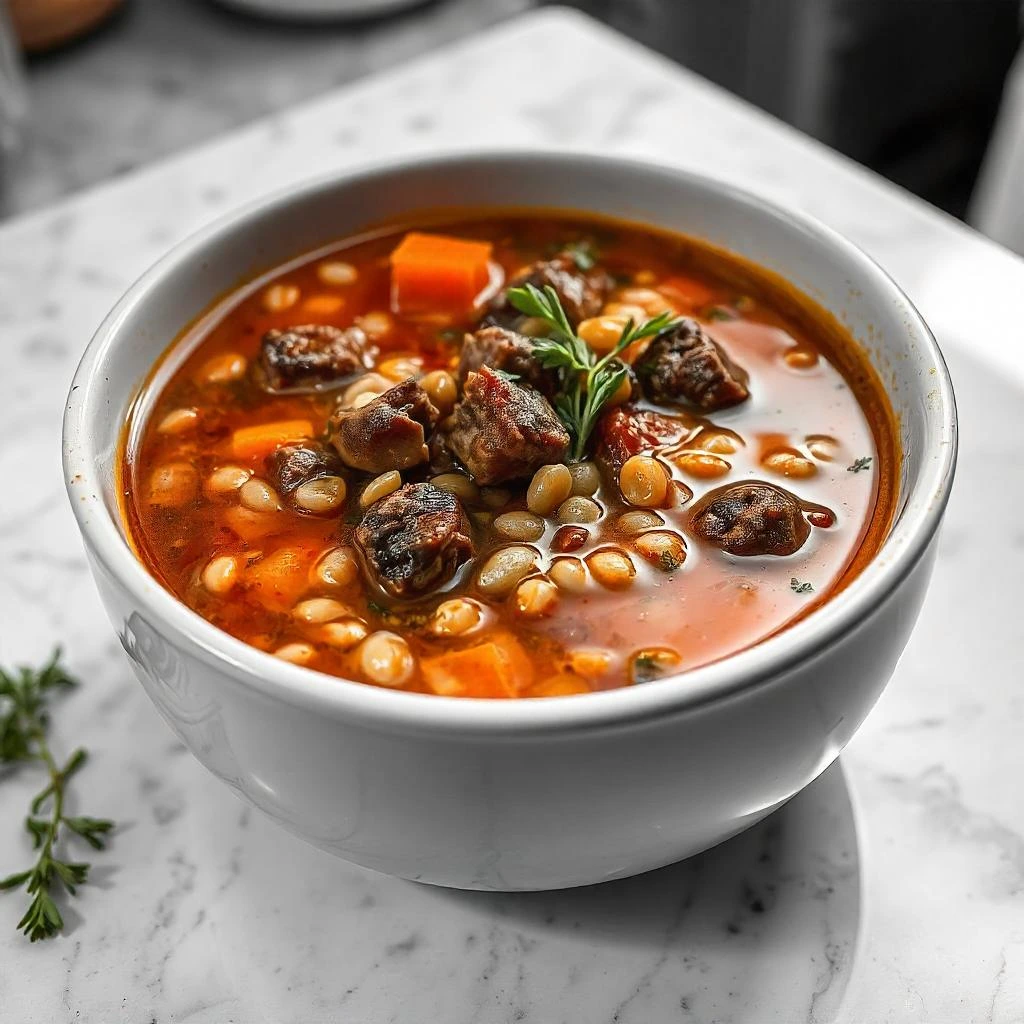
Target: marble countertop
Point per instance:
(165, 74)
(892, 889)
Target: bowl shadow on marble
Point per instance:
(784, 895)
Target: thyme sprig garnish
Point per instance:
(24, 718)
(588, 382)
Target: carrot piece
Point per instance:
(498, 668)
(248, 442)
(561, 685)
(278, 580)
(432, 272)
(252, 526)
(687, 291)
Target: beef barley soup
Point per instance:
(517, 454)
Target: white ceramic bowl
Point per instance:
(528, 794)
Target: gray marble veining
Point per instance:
(890, 890)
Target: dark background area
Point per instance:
(908, 87)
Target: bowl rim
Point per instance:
(396, 710)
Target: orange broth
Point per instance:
(813, 396)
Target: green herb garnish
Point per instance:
(719, 313)
(800, 588)
(583, 254)
(504, 374)
(646, 667)
(669, 562)
(862, 463)
(24, 695)
(587, 383)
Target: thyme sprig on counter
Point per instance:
(24, 718)
(588, 382)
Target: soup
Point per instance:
(519, 454)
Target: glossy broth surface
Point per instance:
(812, 398)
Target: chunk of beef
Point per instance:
(686, 364)
(582, 292)
(310, 357)
(388, 433)
(440, 455)
(501, 431)
(751, 518)
(296, 464)
(626, 431)
(413, 540)
(505, 350)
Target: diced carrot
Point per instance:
(498, 668)
(437, 272)
(563, 684)
(249, 442)
(250, 525)
(687, 291)
(278, 580)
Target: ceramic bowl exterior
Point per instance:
(529, 794)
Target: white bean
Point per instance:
(178, 421)
(258, 496)
(385, 659)
(456, 616)
(536, 597)
(337, 568)
(611, 568)
(344, 635)
(221, 574)
(279, 297)
(461, 486)
(505, 568)
(322, 495)
(380, 487)
(297, 654)
(317, 610)
(223, 369)
(550, 486)
(579, 510)
(585, 478)
(569, 574)
(225, 480)
(521, 526)
(336, 272)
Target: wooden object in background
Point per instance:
(44, 24)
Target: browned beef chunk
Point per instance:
(413, 540)
(627, 431)
(501, 431)
(312, 356)
(751, 518)
(582, 293)
(298, 464)
(440, 455)
(505, 350)
(686, 365)
(388, 433)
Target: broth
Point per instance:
(640, 591)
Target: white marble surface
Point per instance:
(909, 910)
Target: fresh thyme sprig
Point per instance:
(588, 383)
(24, 696)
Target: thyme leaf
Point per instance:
(587, 382)
(24, 718)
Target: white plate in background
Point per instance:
(302, 10)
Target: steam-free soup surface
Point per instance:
(378, 462)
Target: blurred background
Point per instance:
(929, 93)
